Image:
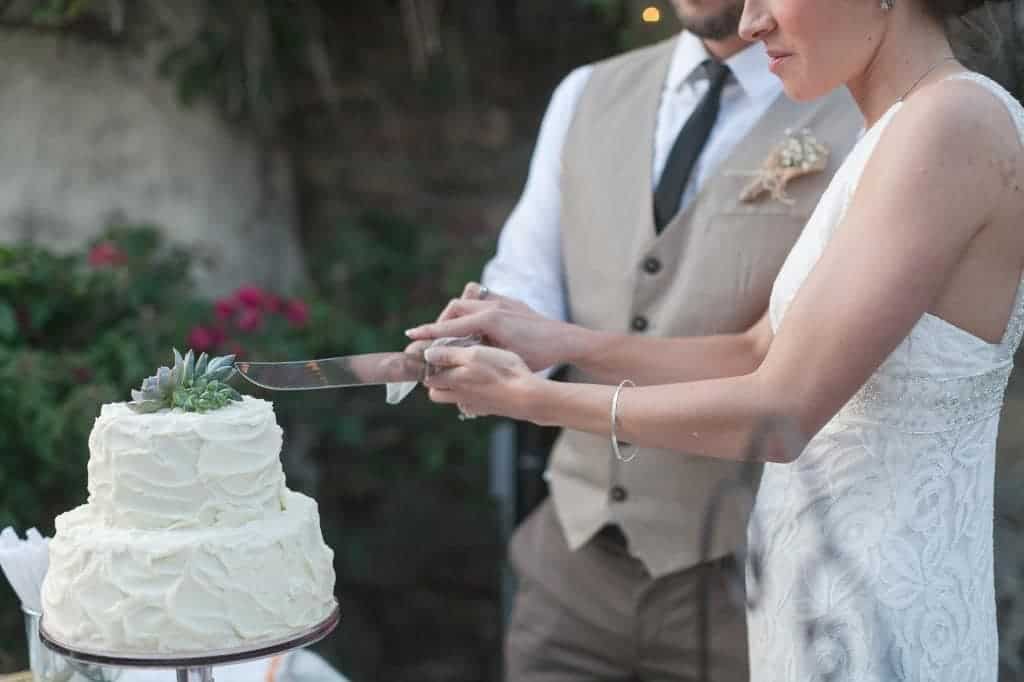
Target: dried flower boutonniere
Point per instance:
(797, 155)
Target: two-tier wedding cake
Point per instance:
(190, 541)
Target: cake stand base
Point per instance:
(195, 667)
(204, 674)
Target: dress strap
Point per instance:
(1015, 327)
(1013, 107)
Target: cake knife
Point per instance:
(367, 369)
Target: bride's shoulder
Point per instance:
(946, 153)
(964, 126)
(971, 105)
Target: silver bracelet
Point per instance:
(615, 410)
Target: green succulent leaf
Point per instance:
(188, 371)
(194, 385)
(147, 406)
(165, 380)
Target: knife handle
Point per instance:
(460, 341)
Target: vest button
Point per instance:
(639, 323)
(618, 493)
(652, 265)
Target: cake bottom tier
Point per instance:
(187, 591)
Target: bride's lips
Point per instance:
(776, 59)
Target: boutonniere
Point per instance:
(797, 155)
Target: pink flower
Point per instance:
(107, 254)
(218, 334)
(275, 304)
(201, 339)
(224, 308)
(249, 320)
(251, 296)
(297, 312)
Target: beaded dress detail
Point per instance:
(874, 549)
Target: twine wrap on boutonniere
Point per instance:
(797, 155)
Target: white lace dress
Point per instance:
(901, 481)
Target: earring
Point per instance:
(887, 4)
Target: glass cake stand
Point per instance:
(196, 667)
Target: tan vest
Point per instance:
(710, 271)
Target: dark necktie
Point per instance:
(688, 145)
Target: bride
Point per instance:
(889, 340)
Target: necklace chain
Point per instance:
(925, 75)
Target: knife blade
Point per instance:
(367, 369)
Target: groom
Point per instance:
(632, 219)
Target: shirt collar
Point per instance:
(749, 66)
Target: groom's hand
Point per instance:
(505, 323)
(470, 292)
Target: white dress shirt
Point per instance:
(528, 263)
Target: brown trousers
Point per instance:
(596, 614)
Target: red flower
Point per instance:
(249, 320)
(251, 296)
(202, 339)
(273, 304)
(224, 308)
(297, 312)
(218, 334)
(107, 254)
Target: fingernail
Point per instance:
(430, 354)
(411, 332)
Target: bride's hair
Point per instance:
(987, 36)
(951, 9)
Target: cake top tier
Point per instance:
(176, 469)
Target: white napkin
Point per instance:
(24, 562)
(396, 392)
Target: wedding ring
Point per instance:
(482, 292)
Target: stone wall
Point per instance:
(93, 136)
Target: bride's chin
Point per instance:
(801, 91)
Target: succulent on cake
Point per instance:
(192, 384)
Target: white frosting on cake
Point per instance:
(187, 590)
(175, 469)
(190, 541)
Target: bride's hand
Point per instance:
(502, 322)
(481, 380)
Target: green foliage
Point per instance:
(626, 18)
(57, 12)
(75, 331)
(245, 56)
(78, 330)
(242, 56)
